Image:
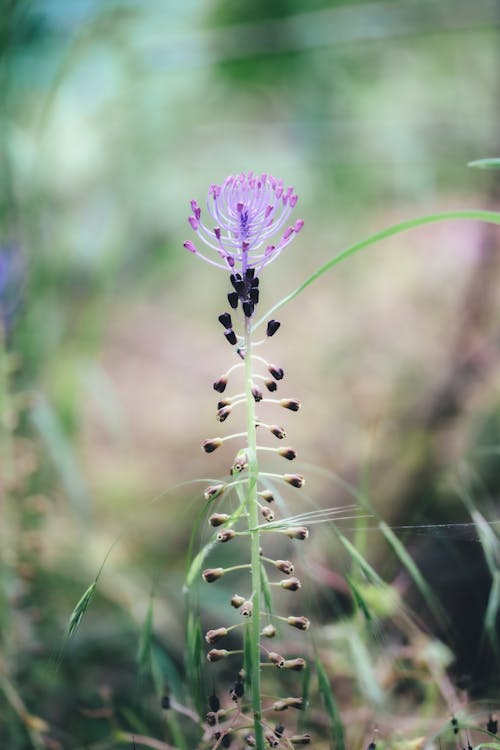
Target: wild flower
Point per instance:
(246, 212)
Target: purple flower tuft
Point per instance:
(247, 211)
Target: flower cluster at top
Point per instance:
(247, 210)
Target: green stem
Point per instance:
(253, 522)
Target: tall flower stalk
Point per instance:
(248, 211)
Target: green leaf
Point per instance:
(145, 641)
(488, 216)
(79, 611)
(337, 729)
(493, 163)
(359, 599)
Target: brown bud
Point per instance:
(269, 631)
(290, 403)
(297, 532)
(246, 608)
(276, 659)
(257, 394)
(276, 372)
(290, 584)
(250, 740)
(271, 385)
(211, 718)
(271, 739)
(277, 431)
(223, 413)
(285, 566)
(224, 402)
(217, 519)
(214, 491)
(285, 703)
(220, 384)
(288, 453)
(296, 664)
(216, 654)
(267, 495)
(300, 739)
(212, 636)
(210, 445)
(225, 535)
(301, 623)
(267, 514)
(296, 480)
(212, 574)
(237, 601)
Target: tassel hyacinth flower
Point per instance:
(245, 214)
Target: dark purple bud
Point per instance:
(290, 403)
(255, 282)
(231, 336)
(248, 308)
(165, 702)
(210, 575)
(288, 453)
(257, 394)
(226, 740)
(220, 384)
(249, 273)
(233, 298)
(225, 320)
(272, 327)
(223, 413)
(285, 566)
(271, 385)
(211, 718)
(301, 623)
(211, 444)
(278, 432)
(217, 519)
(254, 295)
(278, 730)
(492, 725)
(276, 372)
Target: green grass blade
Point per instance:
(492, 610)
(266, 591)
(306, 687)
(399, 549)
(79, 611)
(493, 163)
(337, 729)
(488, 216)
(357, 557)
(359, 600)
(145, 641)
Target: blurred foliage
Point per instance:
(112, 116)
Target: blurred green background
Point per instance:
(113, 115)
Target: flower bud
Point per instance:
(297, 532)
(257, 394)
(225, 320)
(285, 566)
(248, 308)
(231, 336)
(211, 444)
(224, 402)
(290, 403)
(276, 372)
(216, 654)
(271, 385)
(296, 480)
(233, 298)
(272, 327)
(285, 703)
(213, 702)
(269, 631)
(217, 519)
(296, 664)
(300, 739)
(211, 718)
(290, 584)
(237, 601)
(267, 514)
(254, 295)
(271, 739)
(301, 623)
(240, 463)
(276, 659)
(278, 730)
(237, 691)
(212, 574)
(288, 453)
(220, 384)
(246, 608)
(267, 495)
(277, 431)
(225, 535)
(250, 740)
(214, 491)
(212, 636)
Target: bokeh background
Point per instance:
(113, 115)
